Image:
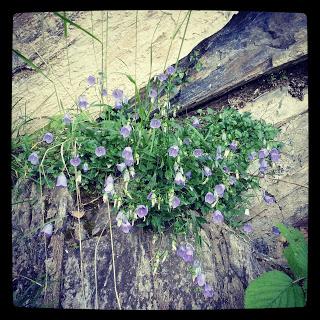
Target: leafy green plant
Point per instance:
(275, 289)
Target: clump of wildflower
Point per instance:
(208, 291)
(179, 179)
(33, 158)
(48, 137)
(67, 119)
(100, 151)
(173, 151)
(61, 180)
(198, 153)
(210, 198)
(219, 189)
(91, 80)
(155, 123)
(247, 228)
(82, 102)
(141, 211)
(217, 217)
(233, 145)
(75, 161)
(125, 131)
(274, 155)
(175, 202)
(268, 198)
(207, 171)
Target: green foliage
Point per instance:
(275, 289)
(297, 251)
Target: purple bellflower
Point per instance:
(247, 228)
(67, 119)
(219, 189)
(75, 161)
(125, 131)
(82, 102)
(48, 137)
(155, 123)
(210, 198)
(198, 153)
(175, 202)
(91, 80)
(173, 151)
(142, 211)
(33, 158)
(274, 155)
(217, 217)
(61, 180)
(100, 151)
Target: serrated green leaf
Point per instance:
(297, 251)
(273, 289)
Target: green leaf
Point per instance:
(76, 25)
(297, 251)
(273, 289)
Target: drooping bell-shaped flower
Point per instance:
(219, 189)
(268, 198)
(48, 137)
(208, 291)
(117, 94)
(121, 166)
(61, 180)
(233, 145)
(252, 155)
(82, 102)
(100, 151)
(34, 158)
(217, 217)
(247, 227)
(175, 202)
(198, 153)
(125, 131)
(170, 70)
(274, 155)
(263, 153)
(263, 165)
(85, 167)
(162, 77)
(109, 185)
(210, 198)
(196, 122)
(141, 211)
(91, 80)
(200, 279)
(218, 153)
(67, 119)
(75, 161)
(179, 179)
(47, 229)
(155, 123)
(173, 151)
(207, 171)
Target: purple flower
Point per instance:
(232, 180)
(210, 198)
(252, 155)
(275, 231)
(268, 198)
(185, 252)
(67, 119)
(125, 131)
(263, 153)
(75, 161)
(175, 202)
(48, 137)
(127, 153)
(125, 226)
(117, 94)
(219, 189)
(188, 175)
(150, 195)
(162, 77)
(129, 162)
(142, 211)
(47, 229)
(100, 151)
(121, 166)
(263, 165)
(218, 153)
(104, 92)
(207, 171)
(196, 122)
(170, 70)
(109, 185)
(155, 123)
(274, 155)
(198, 153)
(118, 105)
(153, 93)
(247, 228)
(33, 158)
(208, 291)
(91, 80)
(200, 279)
(61, 180)
(85, 167)
(186, 141)
(82, 102)
(217, 217)
(179, 179)
(173, 151)
(233, 145)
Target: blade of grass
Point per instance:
(77, 26)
